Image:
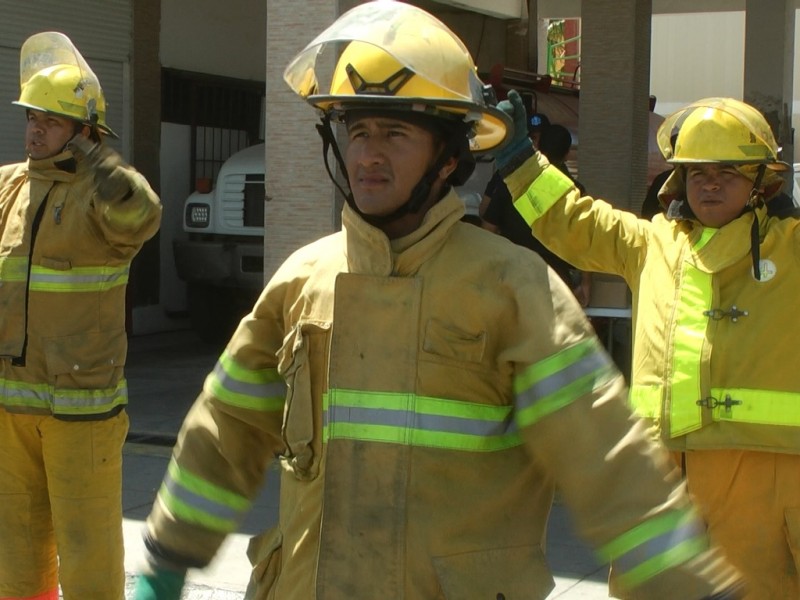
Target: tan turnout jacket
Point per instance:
(64, 263)
(426, 397)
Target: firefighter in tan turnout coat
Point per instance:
(71, 219)
(425, 384)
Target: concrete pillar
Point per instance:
(301, 197)
(615, 87)
(145, 78)
(769, 66)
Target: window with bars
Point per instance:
(224, 114)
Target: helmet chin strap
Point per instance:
(752, 203)
(419, 195)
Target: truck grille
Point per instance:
(243, 201)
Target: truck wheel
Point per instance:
(213, 312)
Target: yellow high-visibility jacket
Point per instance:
(64, 261)
(425, 396)
(713, 348)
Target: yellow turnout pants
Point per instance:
(751, 503)
(61, 507)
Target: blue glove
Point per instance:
(520, 142)
(161, 584)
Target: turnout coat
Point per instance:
(425, 397)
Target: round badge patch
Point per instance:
(768, 269)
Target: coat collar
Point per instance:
(369, 251)
(728, 244)
(60, 167)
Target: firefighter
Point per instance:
(424, 384)
(71, 219)
(715, 324)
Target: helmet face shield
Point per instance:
(55, 78)
(719, 130)
(397, 56)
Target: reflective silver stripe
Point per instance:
(657, 546)
(263, 390)
(207, 505)
(32, 395)
(557, 381)
(83, 401)
(63, 400)
(78, 279)
(195, 500)
(245, 388)
(413, 420)
(408, 419)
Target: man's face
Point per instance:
(385, 158)
(46, 134)
(717, 194)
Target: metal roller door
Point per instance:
(102, 31)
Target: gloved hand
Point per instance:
(520, 142)
(112, 184)
(160, 584)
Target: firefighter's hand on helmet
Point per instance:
(112, 183)
(159, 584)
(520, 142)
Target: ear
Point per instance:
(448, 168)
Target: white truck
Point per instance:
(222, 260)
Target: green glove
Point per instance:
(161, 584)
(520, 142)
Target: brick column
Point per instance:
(615, 87)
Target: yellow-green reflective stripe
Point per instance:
(690, 334)
(545, 191)
(705, 237)
(77, 279)
(765, 407)
(13, 268)
(655, 546)
(32, 395)
(263, 390)
(551, 384)
(759, 407)
(679, 554)
(646, 400)
(64, 401)
(86, 402)
(413, 420)
(195, 500)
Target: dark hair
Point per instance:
(555, 143)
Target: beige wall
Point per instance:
(300, 209)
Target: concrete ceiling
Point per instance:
(552, 9)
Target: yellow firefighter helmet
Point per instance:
(55, 78)
(399, 57)
(719, 130)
